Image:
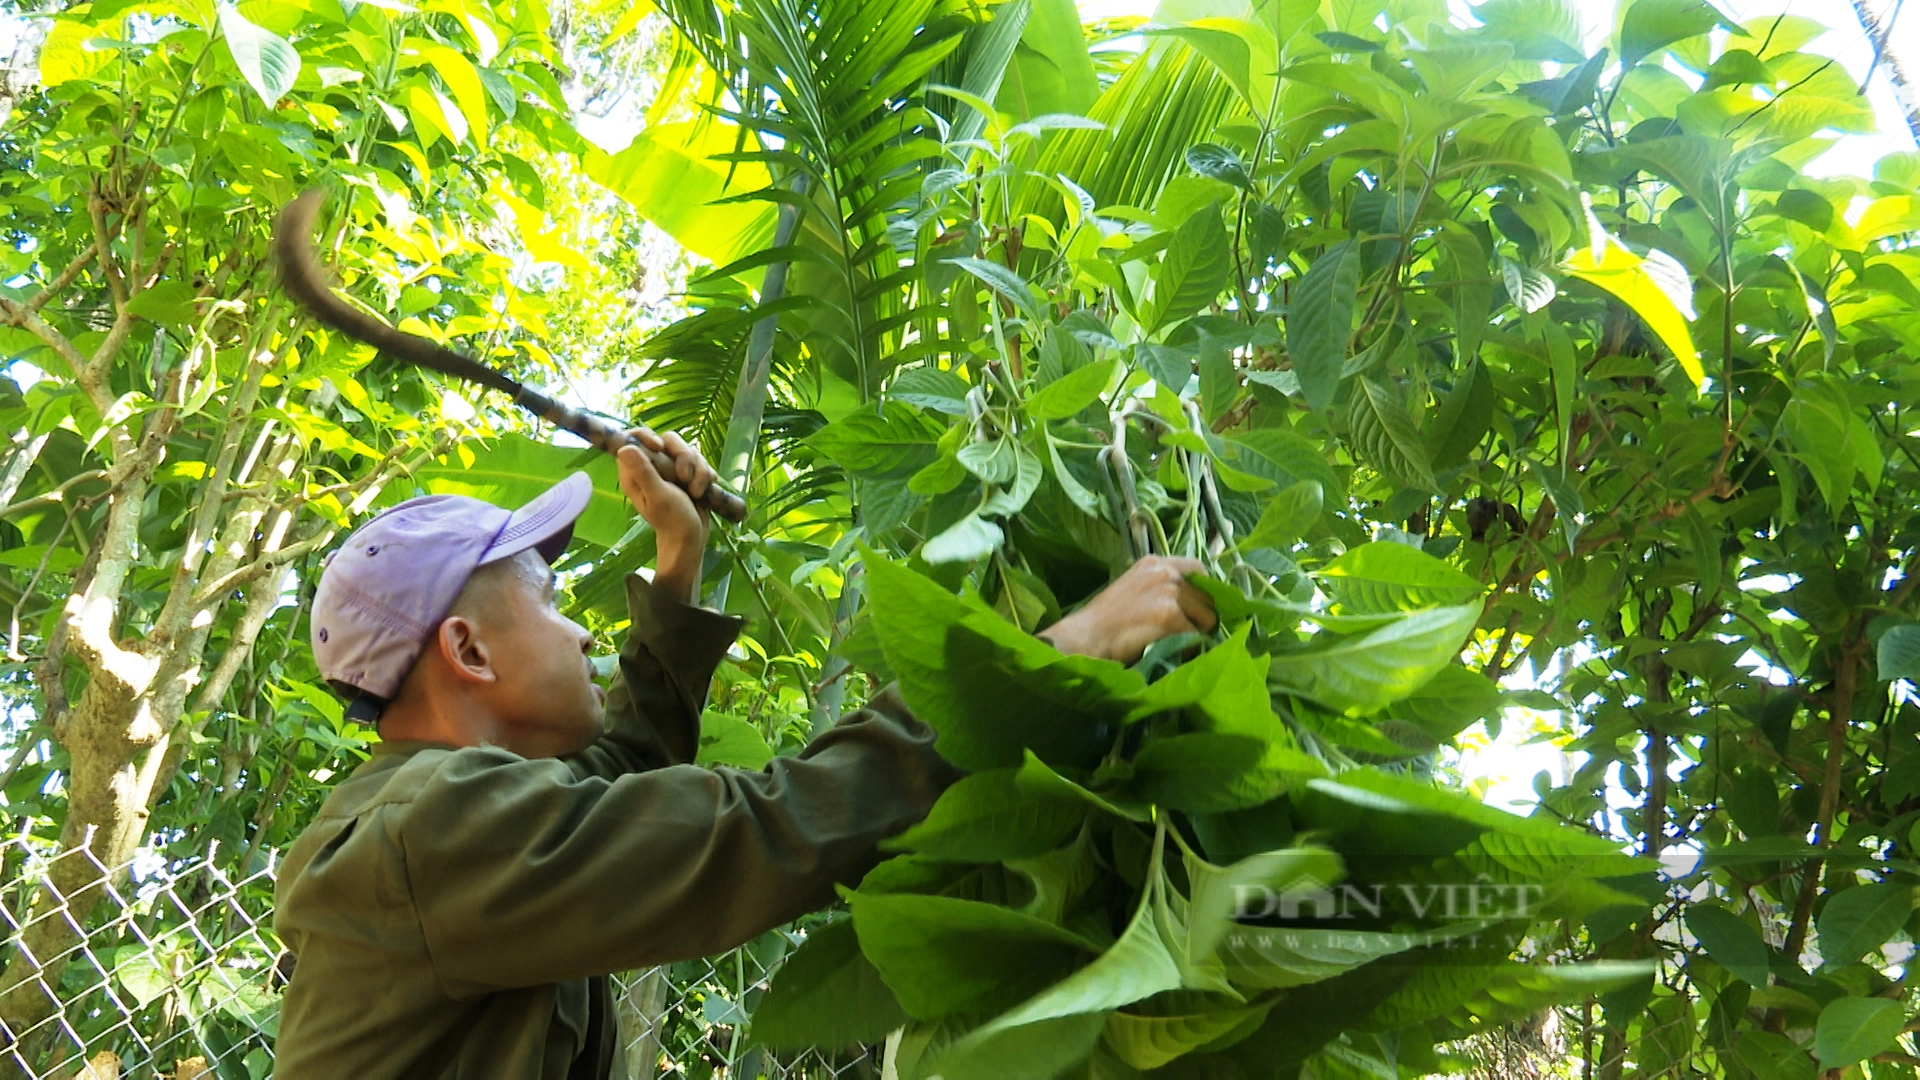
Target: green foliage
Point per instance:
(1447, 366)
(995, 947)
(1852, 1029)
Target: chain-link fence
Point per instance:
(172, 970)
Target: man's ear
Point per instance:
(464, 650)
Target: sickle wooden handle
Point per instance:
(611, 437)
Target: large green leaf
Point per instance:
(1287, 515)
(1401, 795)
(1451, 701)
(826, 994)
(1285, 457)
(1001, 280)
(1771, 1056)
(1267, 957)
(895, 441)
(463, 79)
(1859, 920)
(1040, 778)
(1626, 275)
(1898, 655)
(1367, 672)
(1219, 893)
(1856, 1028)
(988, 817)
(1464, 418)
(1384, 576)
(1550, 857)
(1137, 966)
(268, 62)
(1320, 321)
(1383, 434)
(726, 739)
(1730, 941)
(1651, 25)
(988, 689)
(140, 973)
(1226, 685)
(1211, 772)
(1037, 1051)
(965, 540)
(1051, 71)
(670, 176)
(1072, 392)
(65, 57)
(1703, 168)
(941, 955)
(1818, 431)
(1198, 264)
(1148, 1042)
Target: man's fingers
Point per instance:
(1188, 608)
(1196, 606)
(689, 469)
(687, 462)
(637, 475)
(703, 478)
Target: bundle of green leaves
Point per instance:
(1581, 317)
(1180, 877)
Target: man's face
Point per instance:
(544, 691)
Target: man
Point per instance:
(518, 835)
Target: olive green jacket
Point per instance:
(454, 913)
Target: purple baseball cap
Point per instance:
(384, 593)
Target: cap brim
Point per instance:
(545, 523)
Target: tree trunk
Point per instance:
(1879, 28)
(756, 371)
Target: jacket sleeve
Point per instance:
(526, 872)
(653, 709)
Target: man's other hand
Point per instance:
(1152, 600)
(667, 502)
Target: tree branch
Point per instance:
(103, 248)
(180, 603)
(58, 494)
(240, 575)
(65, 278)
(261, 604)
(1846, 679)
(27, 318)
